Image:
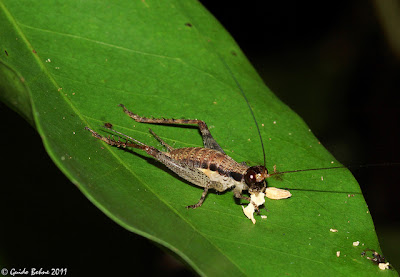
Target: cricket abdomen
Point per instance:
(218, 166)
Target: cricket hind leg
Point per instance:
(121, 144)
(208, 140)
(108, 126)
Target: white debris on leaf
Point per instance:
(258, 199)
(333, 230)
(338, 253)
(249, 212)
(383, 266)
(263, 216)
(356, 243)
(275, 193)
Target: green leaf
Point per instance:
(67, 65)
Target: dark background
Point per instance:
(334, 64)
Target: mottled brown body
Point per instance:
(210, 159)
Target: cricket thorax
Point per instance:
(217, 166)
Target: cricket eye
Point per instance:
(250, 177)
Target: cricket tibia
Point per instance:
(124, 144)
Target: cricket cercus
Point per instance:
(207, 167)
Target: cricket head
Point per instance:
(255, 178)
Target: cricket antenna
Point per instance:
(248, 104)
(309, 169)
(335, 167)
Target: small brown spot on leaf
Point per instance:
(5, 51)
(34, 51)
(188, 24)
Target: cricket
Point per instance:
(208, 167)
